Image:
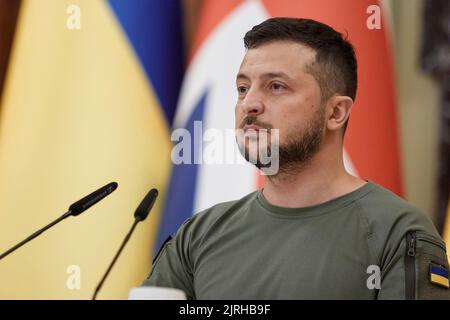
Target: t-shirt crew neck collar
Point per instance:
(319, 209)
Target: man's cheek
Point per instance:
(238, 118)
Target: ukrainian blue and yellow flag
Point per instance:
(439, 275)
(89, 96)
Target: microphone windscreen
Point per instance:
(146, 205)
(91, 199)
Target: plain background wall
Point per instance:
(418, 102)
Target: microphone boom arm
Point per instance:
(124, 242)
(34, 235)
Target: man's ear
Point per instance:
(338, 111)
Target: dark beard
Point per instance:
(244, 148)
(257, 162)
(298, 148)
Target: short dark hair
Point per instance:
(334, 67)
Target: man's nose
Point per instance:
(252, 103)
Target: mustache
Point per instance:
(252, 120)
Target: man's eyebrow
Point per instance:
(267, 75)
(270, 75)
(242, 76)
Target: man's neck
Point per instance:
(321, 179)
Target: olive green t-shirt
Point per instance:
(250, 249)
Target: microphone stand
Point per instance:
(99, 286)
(34, 235)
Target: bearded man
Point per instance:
(314, 231)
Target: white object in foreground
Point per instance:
(156, 293)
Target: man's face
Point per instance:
(275, 92)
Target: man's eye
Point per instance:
(242, 89)
(277, 86)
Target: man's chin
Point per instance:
(270, 168)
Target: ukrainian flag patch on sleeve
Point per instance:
(439, 275)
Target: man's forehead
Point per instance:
(282, 58)
(266, 75)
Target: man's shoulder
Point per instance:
(382, 203)
(385, 211)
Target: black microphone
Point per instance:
(74, 210)
(91, 199)
(140, 214)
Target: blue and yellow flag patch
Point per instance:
(439, 275)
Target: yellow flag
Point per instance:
(77, 113)
(447, 227)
